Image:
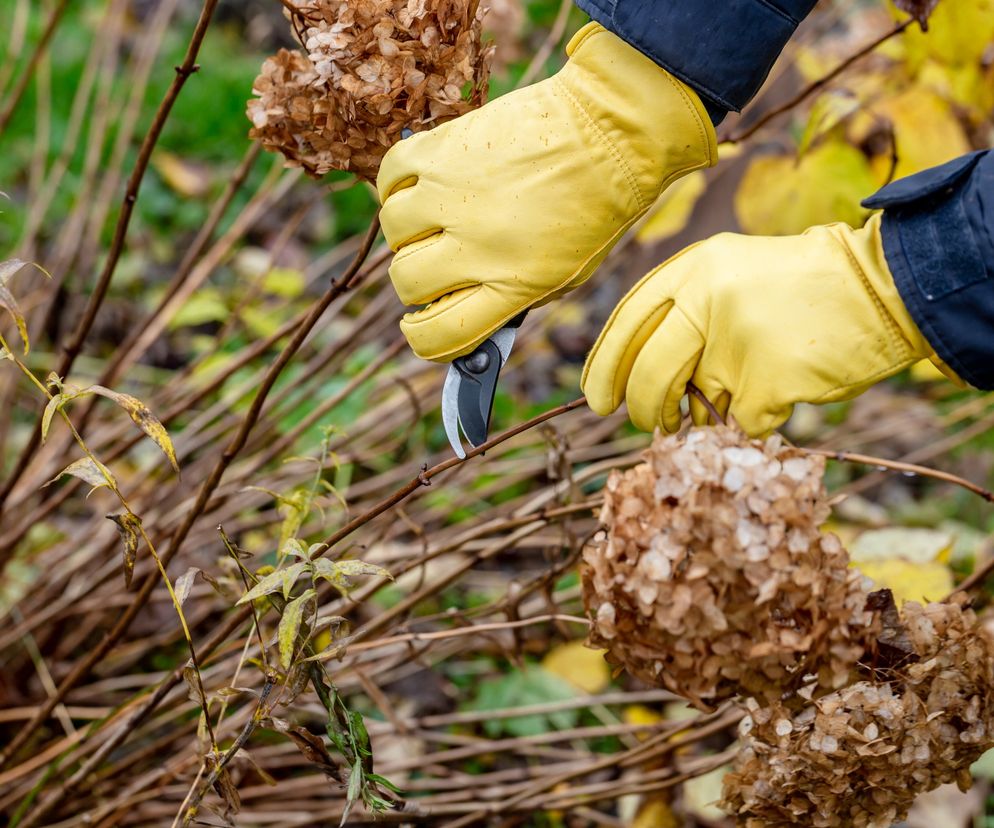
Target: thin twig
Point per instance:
(809, 90)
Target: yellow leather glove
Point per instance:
(517, 202)
(758, 324)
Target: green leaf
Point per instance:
(523, 688)
(143, 418)
(89, 471)
(129, 525)
(278, 580)
(289, 629)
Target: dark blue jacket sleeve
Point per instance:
(938, 234)
(724, 49)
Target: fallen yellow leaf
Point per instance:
(910, 581)
(582, 667)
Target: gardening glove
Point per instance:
(758, 324)
(518, 202)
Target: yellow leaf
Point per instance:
(187, 179)
(926, 130)
(129, 527)
(827, 112)
(959, 32)
(655, 813)
(670, 214)
(639, 714)
(702, 792)
(910, 581)
(582, 667)
(89, 471)
(287, 282)
(780, 195)
(914, 545)
(143, 418)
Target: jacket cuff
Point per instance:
(938, 236)
(724, 50)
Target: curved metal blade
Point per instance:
(450, 410)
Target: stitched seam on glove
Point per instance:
(611, 148)
(896, 334)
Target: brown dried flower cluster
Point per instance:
(370, 68)
(713, 578)
(859, 756)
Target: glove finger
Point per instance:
(402, 165)
(660, 373)
(427, 270)
(637, 316)
(455, 324)
(410, 216)
(757, 417)
(715, 394)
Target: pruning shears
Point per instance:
(470, 387)
(471, 383)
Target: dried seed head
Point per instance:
(712, 577)
(860, 756)
(368, 69)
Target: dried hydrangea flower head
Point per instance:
(370, 68)
(860, 756)
(712, 577)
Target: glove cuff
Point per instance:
(657, 126)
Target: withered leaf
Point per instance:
(184, 583)
(310, 745)
(920, 10)
(129, 526)
(89, 471)
(228, 792)
(9, 303)
(893, 647)
(143, 418)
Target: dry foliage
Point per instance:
(860, 756)
(713, 578)
(368, 70)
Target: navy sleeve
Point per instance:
(724, 49)
(938, 234)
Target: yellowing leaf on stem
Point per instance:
(926, 130)
(340, 573)
(129, 526)
(293, 617)
(670, 214)
(281, 580)
(89, 471)
(143, 418)
(828, 111)
(9, 303)
(910, 581)
(781, 195)
(959, 32)
(582, 667)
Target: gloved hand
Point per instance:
(516, 203)
(758, 324)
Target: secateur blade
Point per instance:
(470, 387)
